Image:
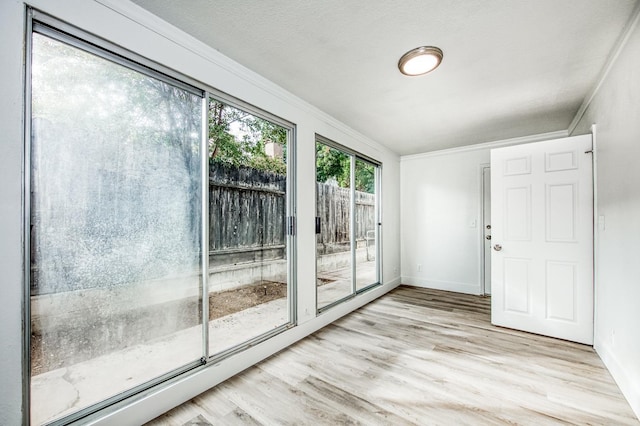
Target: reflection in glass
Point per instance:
(115, 229)
(248, 285)
(333, 211)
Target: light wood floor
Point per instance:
(417, 356)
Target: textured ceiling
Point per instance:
(510, 68)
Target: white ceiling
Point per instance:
(510, 68)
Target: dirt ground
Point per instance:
(231, 301)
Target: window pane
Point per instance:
(115, 229)
(248, 285)
(366, 224)
(333, 243)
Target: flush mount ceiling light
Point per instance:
(420, 60)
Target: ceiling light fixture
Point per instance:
(420, 60)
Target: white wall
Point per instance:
(441, 208)
(616, 111)
(441, 220)
(129, 26)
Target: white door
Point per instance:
(486, 227)
(542, 236)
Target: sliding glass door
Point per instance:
(249, 290)
(159, 224)
(115, 275)
(347, 223)
(366, 224)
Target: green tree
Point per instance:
(239, 138)
(365, 177)
(223, 146)
(332, 164)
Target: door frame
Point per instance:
(598, 226)
(481, 168)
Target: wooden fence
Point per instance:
(333, 209)
(248, 213)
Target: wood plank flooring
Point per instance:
(417, 356)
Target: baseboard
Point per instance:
(629, 387)
(442, 285)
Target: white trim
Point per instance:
(596, 230)
(483, 284)
(174, 35)
(442, 285)
(613, 57)
(489, 145)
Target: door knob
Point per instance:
(488, 226)
(497, 247)
(488, 237)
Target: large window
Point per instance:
(115, 228)
(347, 223)
(249, 288)
(158, 226)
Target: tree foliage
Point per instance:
(239, 138)
(333, 165)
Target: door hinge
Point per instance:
(291, 225)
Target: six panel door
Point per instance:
(542, 236)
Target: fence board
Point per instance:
(247, 210)
(333, 209)
(248, 207)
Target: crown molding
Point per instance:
(488, 145)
